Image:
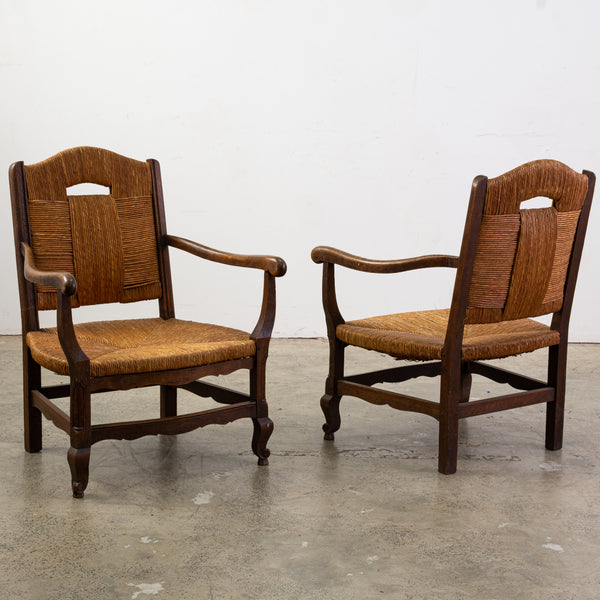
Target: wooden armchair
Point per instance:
(93, 249)
(514, 264)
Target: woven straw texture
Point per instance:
(143, 345)
(108, 242)
(420, 336)
(523, 255)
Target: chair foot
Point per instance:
(448, 449)
(79, 461)
(446, 469)
(330, 405)
(263, 428)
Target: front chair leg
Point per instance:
(79, 461)
(81, 438)
(263, 428)
(555, 410)
(330, 405)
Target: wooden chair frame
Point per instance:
(455, 373)
(78, 423)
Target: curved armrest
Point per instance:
(66, 286)
(326, 254)
(64, 282)
(271, 264)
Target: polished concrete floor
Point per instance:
(366, 516)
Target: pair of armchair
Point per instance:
(75, 250)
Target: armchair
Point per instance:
(75, 250)
(514, 264)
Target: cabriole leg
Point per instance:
(79, 461)
(330, 405)
(263, 428)
(78, 455)
(330, 402)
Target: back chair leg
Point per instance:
(168, 401)
(448, 445)
(451, 394)
(32, 416)
(555, 411)
(467, 379)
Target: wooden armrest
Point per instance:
(63, 282)
(326, 254)
(271, 264)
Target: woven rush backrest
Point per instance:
(523, 255)
(108, 242)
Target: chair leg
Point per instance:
(168, 401)
(555, 411)
(32, 379)
(467, 379)
(448, 445)
(78, 455)
(79, 461)
(330, 402)
(263, 428)
(330, 405)
(451, 395)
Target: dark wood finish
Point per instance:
(507, 402)
(63, 282)
(52, 412)
(216, 392)
(330, 402)
(557, 359)
(83, 434)
(456, 374)
(32, 377)
(175, 378)
(393, 399)
(271, 264)
(166, 303)
(168, 401)
(516, 380)
(172, 425)
(326, 254)
(397, 374)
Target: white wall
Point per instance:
(285, 124)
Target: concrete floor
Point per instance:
(367, 516)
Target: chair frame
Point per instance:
(455, 373)
(78, 423)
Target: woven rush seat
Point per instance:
(420, 336)
(143, 345)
